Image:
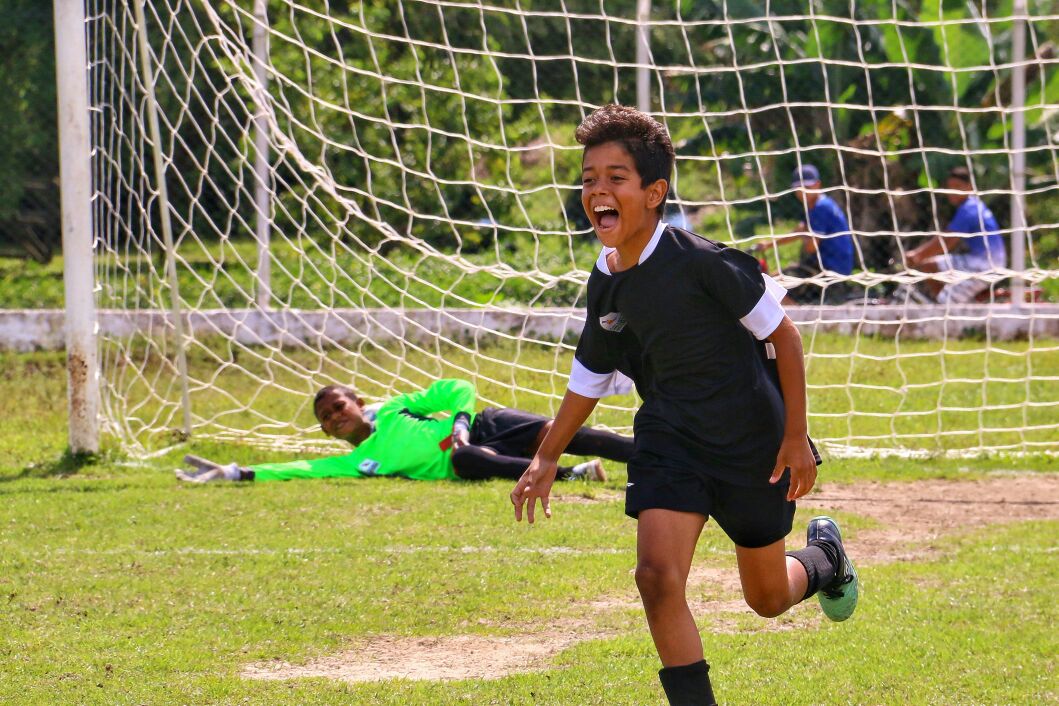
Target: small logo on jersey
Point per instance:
(613, 321)
(368, 467)
(629, 485)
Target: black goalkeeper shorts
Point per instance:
(509, 432)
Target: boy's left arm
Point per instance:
(794, 451)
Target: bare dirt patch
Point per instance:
(911, 517)
(587, 498)
(435, 658)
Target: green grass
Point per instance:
(118, 586)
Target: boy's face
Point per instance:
(618, 206)
(808, 193)
(342, 417)
(960, 186)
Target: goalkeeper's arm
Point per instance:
(345, 466)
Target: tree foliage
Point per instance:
(28, 136)
(413, 125)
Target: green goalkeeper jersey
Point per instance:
(408, 440)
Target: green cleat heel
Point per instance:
(838, 598)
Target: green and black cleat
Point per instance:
(838, 598)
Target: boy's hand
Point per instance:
(535, 483)
(796, 455)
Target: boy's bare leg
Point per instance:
(772, 581)
(665, 545)
(933, 286)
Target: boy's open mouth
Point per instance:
(606, 216)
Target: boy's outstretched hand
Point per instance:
(536, 482)
(796, 455)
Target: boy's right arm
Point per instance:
(446, 395)
(536, 482)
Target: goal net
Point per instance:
(377, 193)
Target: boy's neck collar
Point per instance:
(601, 261)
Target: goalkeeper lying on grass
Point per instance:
(404, 438)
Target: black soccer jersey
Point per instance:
(682, 324)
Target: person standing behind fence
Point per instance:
(828, 244)
(976, 228)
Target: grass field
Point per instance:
(118, 586)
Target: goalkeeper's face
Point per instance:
(622, 209)
(342, 417)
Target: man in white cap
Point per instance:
(827, 244)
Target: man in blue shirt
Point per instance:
(828, 244)
(974, 226)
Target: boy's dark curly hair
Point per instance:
(643, 137)
(340, 389)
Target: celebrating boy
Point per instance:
(431, 434)
(722, 429)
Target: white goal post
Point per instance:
(261, 197)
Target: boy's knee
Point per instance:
(657, 581)
(767, 605)
(460, 458)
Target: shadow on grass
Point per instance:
(66, 465)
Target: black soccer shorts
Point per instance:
(751, 516)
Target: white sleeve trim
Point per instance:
(768, 312)
(586, 383)
(622, 385)
(777, 290)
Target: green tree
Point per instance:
(28, 137)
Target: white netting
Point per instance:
(414, 163)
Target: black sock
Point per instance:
(831, 550)
(688, 685)
(246, 474)
(820, 560)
